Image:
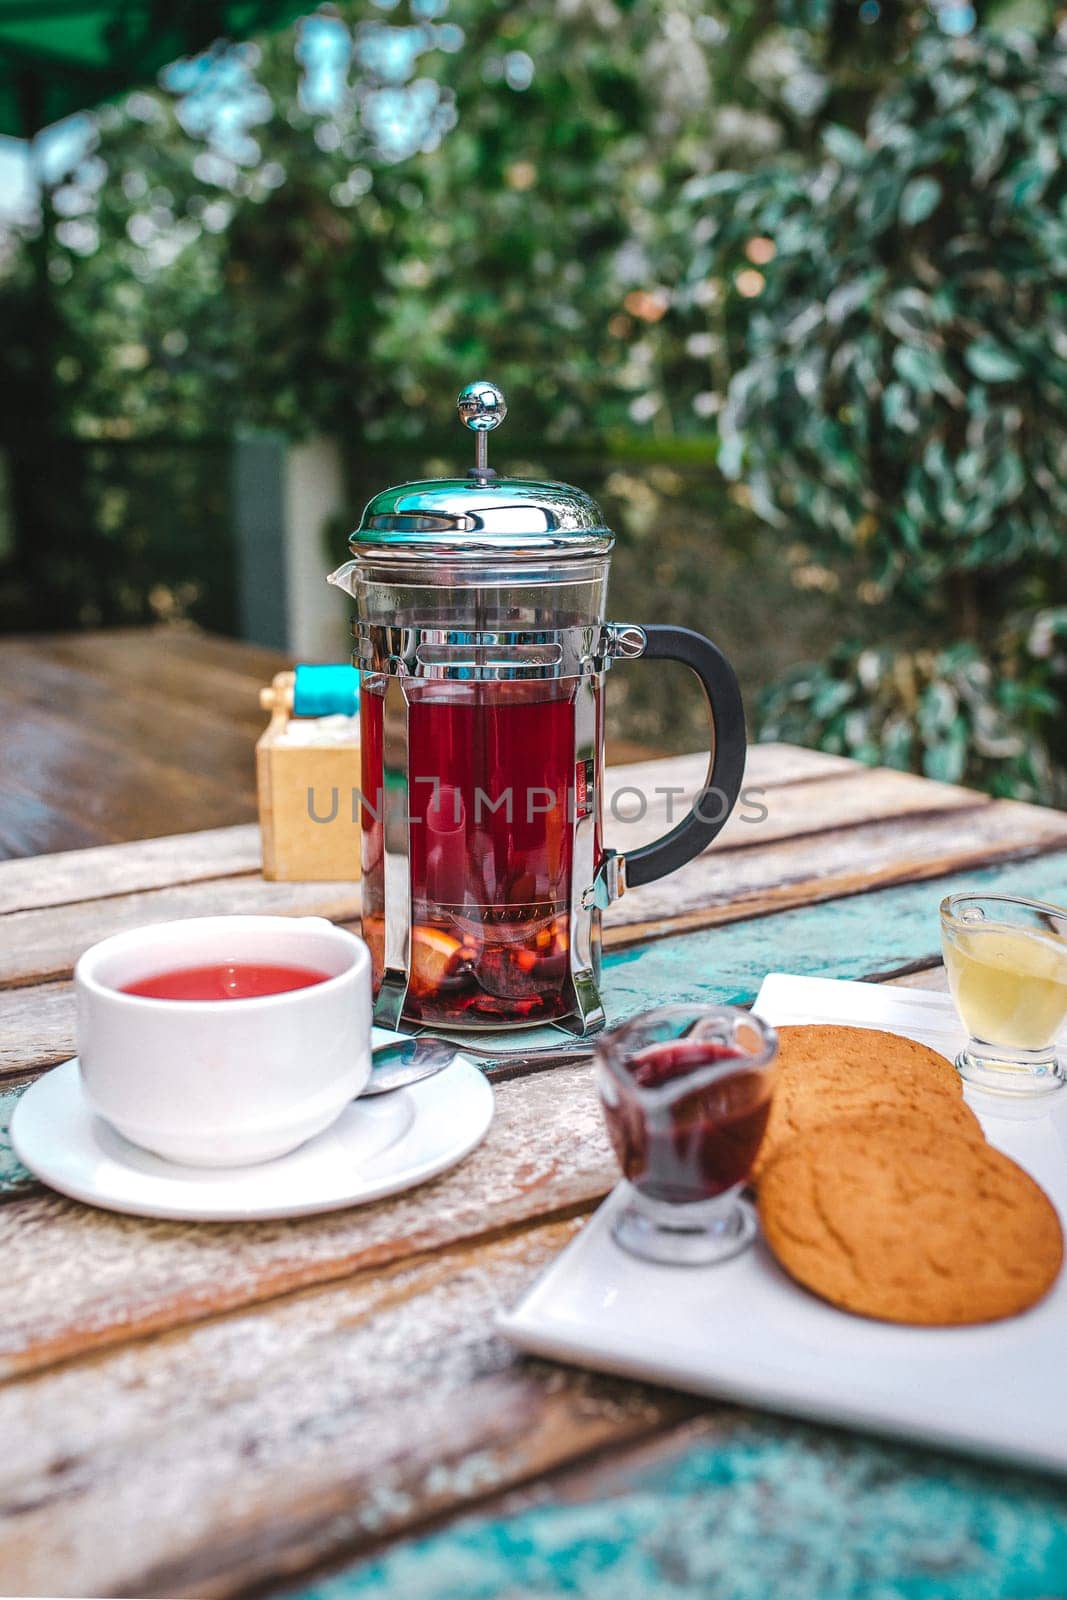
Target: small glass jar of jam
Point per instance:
(686, 1091)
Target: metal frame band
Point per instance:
(493, 654)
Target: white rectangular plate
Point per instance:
(743, 1331)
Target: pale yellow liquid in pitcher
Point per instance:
(1009, 985)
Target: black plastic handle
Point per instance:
(719, 795)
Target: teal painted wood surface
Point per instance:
(771, 1511)
(13, 1175)
(866, 934)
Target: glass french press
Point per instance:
(482, 649)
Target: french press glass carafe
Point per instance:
(483, 650)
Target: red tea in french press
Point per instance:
(483, 652)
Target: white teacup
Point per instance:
(219, 1083)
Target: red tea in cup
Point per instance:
(225, 980)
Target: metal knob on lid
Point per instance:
(482, 407)
(481, 519)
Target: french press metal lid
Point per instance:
(482, 515)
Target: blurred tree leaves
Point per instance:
(899, 396)
(323, 228)
(333, 227)
(956, 713)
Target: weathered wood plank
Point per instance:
(113, 869)
(36, 1027)
(639, 810)
(29, 825)
(726, 885)
(333, 1420)
(770, 765)
(75, 1278)
(338, 1419)
(236, 1450)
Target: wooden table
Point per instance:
(209, 1410)
(126, 734)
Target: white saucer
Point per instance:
(377, 1147)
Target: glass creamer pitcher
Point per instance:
(483, 651)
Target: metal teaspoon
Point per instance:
(407, 1062)
(421, 1057)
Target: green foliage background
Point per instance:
(781, 281)
(899, 399)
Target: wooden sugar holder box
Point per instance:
(307, 777)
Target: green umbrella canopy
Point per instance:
(61, 56)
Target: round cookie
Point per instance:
(826, 1071)
(941, 1112)
(891, 1217)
